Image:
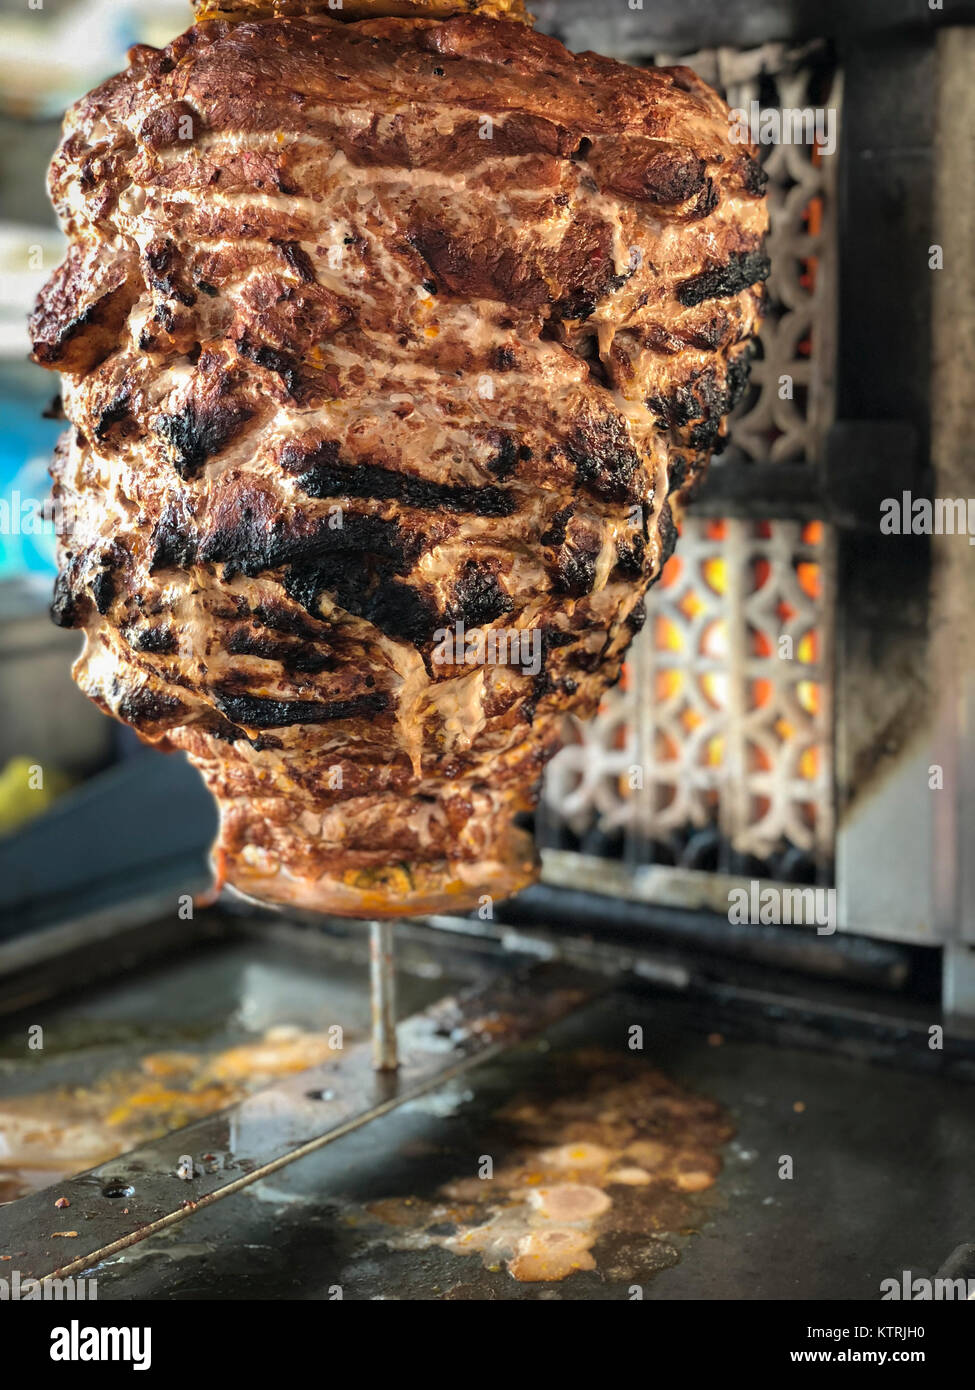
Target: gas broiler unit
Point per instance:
(796, 717)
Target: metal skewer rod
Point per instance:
(382, 990)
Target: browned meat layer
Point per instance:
(370, 330)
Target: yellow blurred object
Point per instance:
(65, 1129)
(281, 1051)
(26, 789)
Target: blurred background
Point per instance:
(49, 56)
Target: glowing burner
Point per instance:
(721, 723)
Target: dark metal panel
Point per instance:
(765, 492)
(629, 924)
(885, 231)
(692, 24)
(118, 832)
(880, 447)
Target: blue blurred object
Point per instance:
(27, 543)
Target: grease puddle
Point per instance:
(590, 1180)
(54, 1133)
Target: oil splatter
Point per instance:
(605, 1171)
(53, 1134)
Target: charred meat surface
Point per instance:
(379, 334)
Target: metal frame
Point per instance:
(905, 694)
(632, 30)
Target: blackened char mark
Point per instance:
(257, 713)
(298, 260)
(552, 638)
(577, 306)
(588, 661)
(696, 398)
(695, 472)
(112, 414)
(103, 591)
(283, 618)
(754, 177)
(366, 588)
(163, 262)
(77, 343)
(161, 641)
(604, 458)
(226, 732)
(580, 303)
(576, 568)
(145, 706)
(358, 564)
(505, 461)
(282, 364)
(744, 268)
(636, 617)
(478, 597)
(321, 475)
(739, 374)
(172, 546)
(292, 656)
(711, 336)
(555, 535)
(667, 530)
(555, 637)
(707, 201)
(252, 546)
(194, 434)
(542, 685)
(630, 557)
(64, 605)
(221, 728)
(48, 353)
(705, 400)
(676, 472)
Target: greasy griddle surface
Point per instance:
(872, 1194)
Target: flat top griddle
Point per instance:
(880, 1154)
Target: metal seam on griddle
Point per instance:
(482, 1022)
